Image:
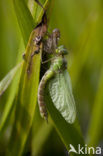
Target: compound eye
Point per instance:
(62, 50)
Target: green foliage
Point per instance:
(27, 92)
(95, 129)
(21, 128)
(25, 19)
(13, 74)
(8, 78)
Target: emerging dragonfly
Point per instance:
(60, 85)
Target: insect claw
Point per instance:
(37, 52)
(24, 57)
(32, 54)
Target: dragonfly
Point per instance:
(60, 87)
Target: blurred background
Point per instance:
(81, 26)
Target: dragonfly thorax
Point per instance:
(61, 50)
(58, 63)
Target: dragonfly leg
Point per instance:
(43, 62)
(35, 52)
(24, 57)
(31, 57)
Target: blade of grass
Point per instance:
(26, 24)
(40, 138)
(26, 101)
(25, 19)
(4, 84)
(13, 90)
(95, 127)
(40, 132)
(14, 85)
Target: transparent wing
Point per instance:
(60, 89)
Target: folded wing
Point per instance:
(60, 89)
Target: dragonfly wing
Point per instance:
(60, 89)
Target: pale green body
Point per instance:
(59, 88)
(54, 68)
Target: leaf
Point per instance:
(26, 24)
(25, 19)
(40, 133)
(61, 94)
(13, 90)
(8, 79)
(40, 138)
(26, 99)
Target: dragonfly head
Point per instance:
(61, 50)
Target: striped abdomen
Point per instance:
(41, 102)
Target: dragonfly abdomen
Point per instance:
(41, 101)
